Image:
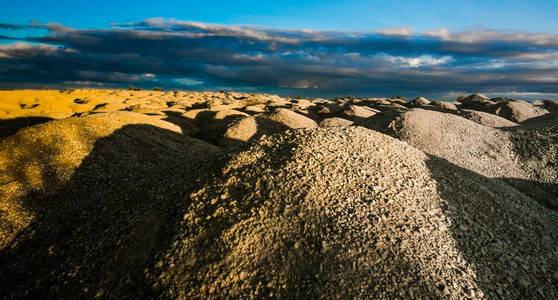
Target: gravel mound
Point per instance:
(356, 111)
(292, 119)
(490, 152)
(482, 149)
(418, 102)
(349, 212)
(241, 130)
(88, 202)
(518, 111)
(478, 102)
(485, 119)
(39, 160)
(335, 122)
(213, 124)
(445, 105)
(258, 108)
(126, 205)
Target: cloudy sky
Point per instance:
(433, 48)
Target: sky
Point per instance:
(439, 49)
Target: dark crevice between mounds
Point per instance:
(11, 126)
(198, 105)
(536, 143)
(28, 106)
(381, 121)
(205, 127)
(99, 106)
(187, 125)
(501, 237)
(81, 101)
(546, 193)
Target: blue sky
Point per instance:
(535, 15)
(436, 48)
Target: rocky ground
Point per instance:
(150, 194)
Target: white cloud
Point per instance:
(414, 62)
(483, 36)
(397, 31)
(188, 81)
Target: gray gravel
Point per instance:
(419, 204)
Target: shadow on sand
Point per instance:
(113, 220)
(10, 126)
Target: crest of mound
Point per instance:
(478, 102)
(418, 102)
(345, 212)
(475, 97)
(41, 159)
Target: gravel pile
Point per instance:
(418, 102)
(349, 212)
(292, 119)
(525, 157)
(419, 204)
(86, 203)
(485, 118)
(518, 110)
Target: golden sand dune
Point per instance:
(149, 194)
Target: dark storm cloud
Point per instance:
(197, 55)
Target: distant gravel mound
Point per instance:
(478, 102)
(335, 122)
(239, 131)
(418, 102)
(518, 111)
(485, 118)
(478, 148)
(488, 151)
(353, 112)
(292, 119)
(449, 106)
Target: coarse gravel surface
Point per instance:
(117, 194)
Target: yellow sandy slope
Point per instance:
(61, 104)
